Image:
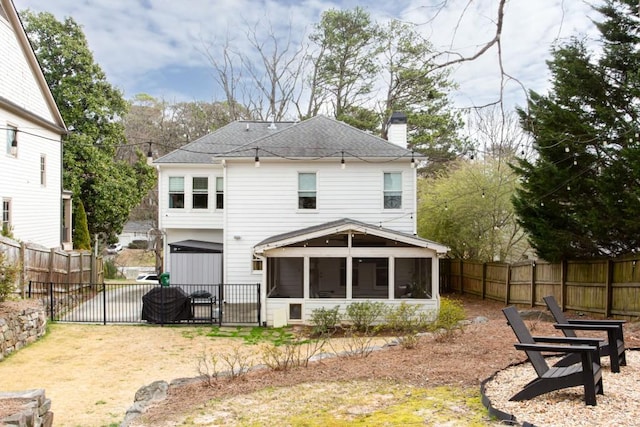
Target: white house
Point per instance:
(318, 212)
(34, 206)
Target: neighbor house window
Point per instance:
(392, 190)
(12, 140)
(43, 170)
(219, 193)
(307, 191)
(6, 214)
(176, 192)
(200, 193)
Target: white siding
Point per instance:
(263, 202)
(17, 82)
(188, 217)
(35, 209)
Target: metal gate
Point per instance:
(225, 304)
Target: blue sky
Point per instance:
(155, 46)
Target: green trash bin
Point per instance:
(164, 279)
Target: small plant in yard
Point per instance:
(356, 343)
(8, 275)
(296, 352)
(364, 315)
(110, 270)
(406, 321)
(324, 321)
(208, 367)
(237, 360)
(450, 315)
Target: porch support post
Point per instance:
(263, 289)
(305, 277)
(435, 277)
(391, 279)
(349, 277)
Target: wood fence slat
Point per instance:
(604, 286)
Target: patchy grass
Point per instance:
(371, 403)
(250, 335)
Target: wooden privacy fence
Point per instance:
(604, 286)
(51, 265)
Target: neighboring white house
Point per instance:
(34, 206)
(318, 212)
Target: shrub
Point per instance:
(363, 315)
(406, 321)
(324, 321)
(110, 269)
(8, 275)
(404, 317)
(450, 315)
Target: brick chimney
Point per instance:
(397, 130)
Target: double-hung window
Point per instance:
(219, 192)
(6, 214)
(12, 140)
(307, 191)
(200, 198)
(392, 190)
(176, 192)
(43, 170)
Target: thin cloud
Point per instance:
(151, 46)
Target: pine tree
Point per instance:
(81, 238)
(580, 196)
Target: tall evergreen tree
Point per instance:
(92, 109)
(580, 197)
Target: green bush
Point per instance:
(450, 314)
(363, 315)
(110, 269)
(404, 318)
(8, 275)
(325, 321)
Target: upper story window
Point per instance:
(176, 192)
(307, 191)
(200, 193)
(12, 141)
(393, 190)
(219, 192)
(6, 214)
(43, 170)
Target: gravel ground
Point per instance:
(565, 408)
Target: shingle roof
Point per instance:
(316, 137)
(348, 223)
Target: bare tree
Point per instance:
(226, 72)
(276, 73)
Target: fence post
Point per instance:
(533, 284)
(563, 284)
(259, 304)
(608, 288)
(104, 303)
(51, 263)
(23, 268)
(484, 279)
(461, 277)
(51, 301)
(507, 284)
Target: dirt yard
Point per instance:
(92, 373)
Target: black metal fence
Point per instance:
(226, 304)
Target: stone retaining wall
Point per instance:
(22, 323)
